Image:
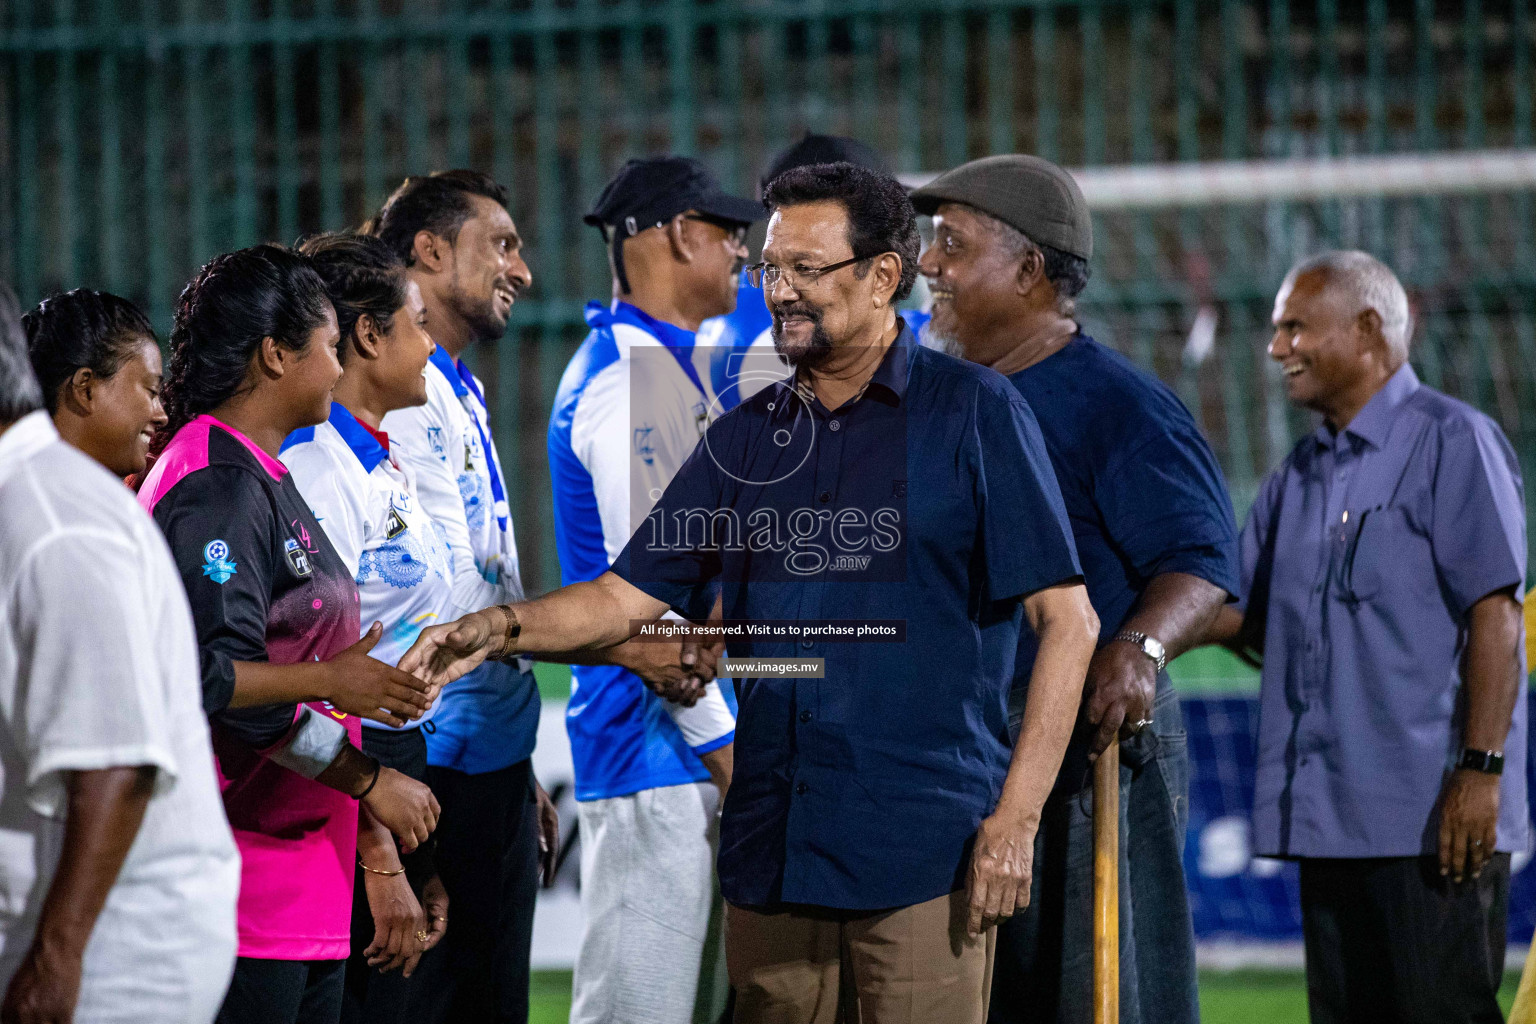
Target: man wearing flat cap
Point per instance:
(1155, 534)
(650, 767)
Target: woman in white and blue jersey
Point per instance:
(403, 566)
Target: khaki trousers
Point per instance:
(811, 965)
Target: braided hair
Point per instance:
(236, 300)
(364, 277)
(82, 329)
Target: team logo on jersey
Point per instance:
(394, 526)
(406, 630)
(217, 565)
(643, 446)
(298, 560)
(435, 440)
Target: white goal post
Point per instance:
(1167, 186)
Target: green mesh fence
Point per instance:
(141, 137)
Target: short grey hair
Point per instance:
(1067, 273)
(19, 393)
(1371, 284)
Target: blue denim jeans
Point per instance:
(1044, 965)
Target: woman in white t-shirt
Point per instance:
(401, 561)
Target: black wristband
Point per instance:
(378, 766)
(1489, 762)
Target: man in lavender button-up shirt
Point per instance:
(1383, 563)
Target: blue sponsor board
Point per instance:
(1233, 895)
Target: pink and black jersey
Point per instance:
(265, 585)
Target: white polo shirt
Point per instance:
(365, 500)
(99, 669)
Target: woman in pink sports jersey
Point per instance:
(285, 678)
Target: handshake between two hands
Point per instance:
(677, 672)
(393, 695)
(369, 688)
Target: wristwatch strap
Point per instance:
(1151, 647)
(509, 639)
(1489, 762)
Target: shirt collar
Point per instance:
(670, 335)
(363, 442)
(896, 367)
(450, 368)
(890, 376)
(1374, 421)
(275, 469)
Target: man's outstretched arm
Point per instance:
(582, 616)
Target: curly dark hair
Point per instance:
(363, 276)
(236, 300)
(82, 329)
(438, 202)
(880, 216)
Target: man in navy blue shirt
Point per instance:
(880, 820)
(1155, 535)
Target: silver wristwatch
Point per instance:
(1150, 646)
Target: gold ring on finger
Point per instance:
(422, 936)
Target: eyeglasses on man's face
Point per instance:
(767, 275)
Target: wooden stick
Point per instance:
(1106, 887)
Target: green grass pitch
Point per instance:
(1235, 997)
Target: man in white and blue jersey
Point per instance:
(632, 406)
(742, 359)
(462, 249)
